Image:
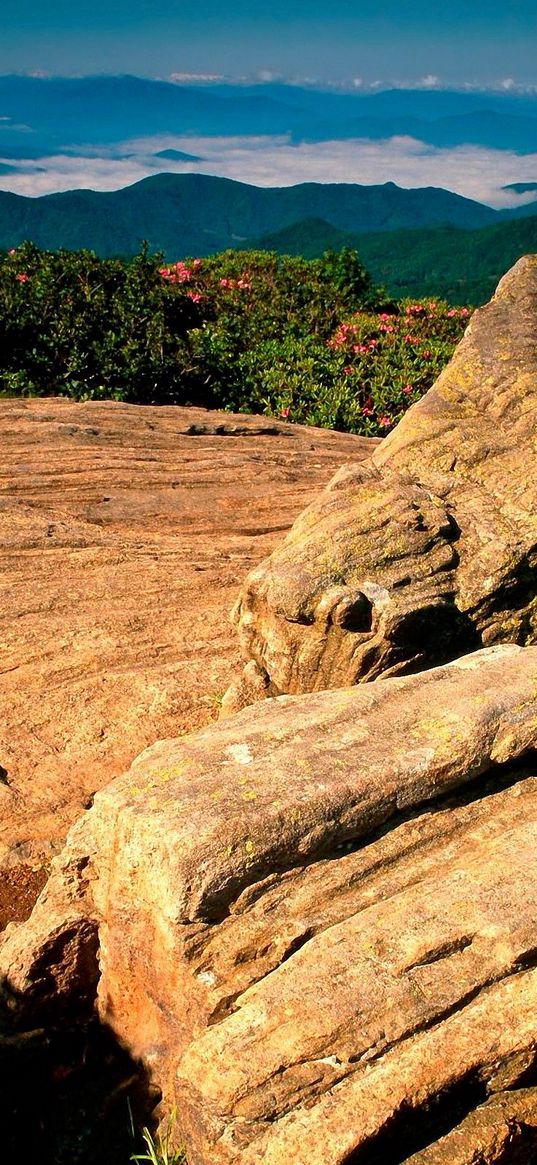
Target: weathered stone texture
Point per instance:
(124, 535)
(428, 549)
(316, 921)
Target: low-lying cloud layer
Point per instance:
(473, 171)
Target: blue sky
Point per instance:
(460, 41)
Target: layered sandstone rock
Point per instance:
(124, 535)
(428, 549)
(315, 923)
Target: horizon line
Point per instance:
(350, 86)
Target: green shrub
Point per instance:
(308, 340)
(83, 327)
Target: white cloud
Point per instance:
(54, 174)
(267, 77)
(195, 78)
(473, 171)
(351, 84)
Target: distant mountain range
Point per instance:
(43, 116)
(194, 214)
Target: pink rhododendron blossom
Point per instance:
(367, 412)
(179, 273)
(284, 412)
(348, 370)
(195, 296)
(183, 274)
(385, 422)
(408, 389)
(235, 284)
(22, 277)
(342, 335)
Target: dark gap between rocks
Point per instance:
(64, 1097)
(71, 1095)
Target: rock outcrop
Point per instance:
(125, 533)
(428, 549)
(315, 923)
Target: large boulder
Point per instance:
(315, 923)
(425, 551)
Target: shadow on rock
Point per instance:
(69, 1094)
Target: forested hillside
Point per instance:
(195, 214)
(462, 266)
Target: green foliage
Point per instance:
(308, 340)
(159, 1150)
(463, 266)
(87, 328)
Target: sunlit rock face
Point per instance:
(314, 923)
(425, 551)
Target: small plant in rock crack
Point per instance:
(159, 1151)
(158, 1148)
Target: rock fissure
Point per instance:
(411, 1130)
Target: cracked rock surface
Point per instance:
(426, 550)
(315, 923)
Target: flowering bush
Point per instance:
(309, 341)
(76, 325)
(389, 359)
